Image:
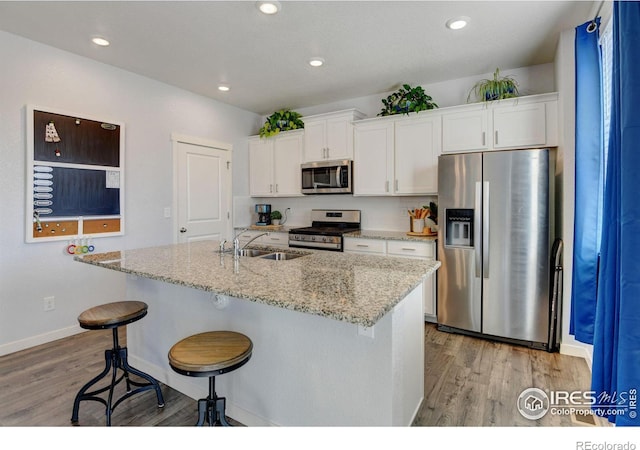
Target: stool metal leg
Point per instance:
(212, 408)
(115, 358)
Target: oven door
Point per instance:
(327, 177)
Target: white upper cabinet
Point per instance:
(417, 147)
(373, 158)
(329, 136)
(274, 165)
(465, 131)
(519, 126)
(397, 156)
(523, 122)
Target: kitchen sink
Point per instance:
(282, 256)
(250, 252)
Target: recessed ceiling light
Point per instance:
(223, 87)
(316, 62)
(269, 7)
(457, 23)
(102, 42)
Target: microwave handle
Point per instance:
(338, 182)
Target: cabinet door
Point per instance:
(314, 140)
(465, 131)
(261, 167)
(373, 158)
(274, 239)
(339, 138)
(286, 161)
(359, 245)
(519, 126)
(417, 147)
(429, 298)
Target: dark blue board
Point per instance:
(83, 192)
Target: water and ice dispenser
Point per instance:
(458, 228)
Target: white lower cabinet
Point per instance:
(406, 249)
(273, 239)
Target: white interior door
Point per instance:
(202, 190)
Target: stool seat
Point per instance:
(111, 315)
(210, 353)
(207, 355)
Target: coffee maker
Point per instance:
(264, 214)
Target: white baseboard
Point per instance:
(40, 339)
(577, 350)
(189, 387)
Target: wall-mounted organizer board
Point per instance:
(74, 176)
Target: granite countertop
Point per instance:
(353, 288)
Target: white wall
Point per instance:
(531, 80)
(36, 74)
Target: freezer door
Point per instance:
(459, 276)
(516, 233)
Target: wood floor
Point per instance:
(468, 382)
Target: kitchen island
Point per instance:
(338, 338)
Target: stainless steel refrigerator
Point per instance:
(496, 222)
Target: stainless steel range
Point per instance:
(326, 230)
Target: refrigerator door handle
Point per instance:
(477, 229)
(485, 229)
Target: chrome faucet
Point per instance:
(236, 241)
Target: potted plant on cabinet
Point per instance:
(497, 88)
(406, 100)
(275, 217)
(283, 120)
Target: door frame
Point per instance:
(204, 143)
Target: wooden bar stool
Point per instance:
(207, 355)
(114, 315)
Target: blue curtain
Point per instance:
(588, 181)
(616, 350)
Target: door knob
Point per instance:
(183, 230)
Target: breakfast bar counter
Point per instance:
(338, 338)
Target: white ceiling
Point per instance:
(369, 47)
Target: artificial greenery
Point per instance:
(496, 89)
(276, 215)
(282, 120)
(406, 100)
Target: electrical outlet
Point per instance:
(49, 303)
(167, 212)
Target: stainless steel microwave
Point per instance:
(327, 177)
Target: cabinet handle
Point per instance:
(362, 245)
(496, 140)
(276, 188)
(327, 149)
(409, 249)
(271, 188)
(396, 185)
(484, 138)
(386, 186)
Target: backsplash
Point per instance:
(378, 213)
